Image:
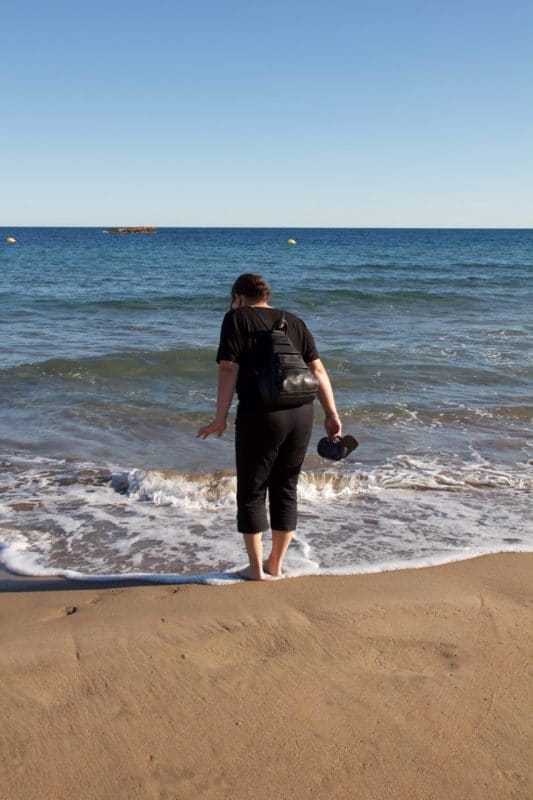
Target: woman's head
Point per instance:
(253, 287)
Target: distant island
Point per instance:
(136, 229)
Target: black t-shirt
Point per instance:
(244, 340)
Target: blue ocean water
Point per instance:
(107, 346)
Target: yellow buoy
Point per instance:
(291, 241)
(10, 240)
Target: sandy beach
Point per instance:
(409, 684)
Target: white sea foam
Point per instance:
(79, 521)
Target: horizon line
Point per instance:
(293, 227)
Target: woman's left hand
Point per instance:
(333, 425)
(218, 426)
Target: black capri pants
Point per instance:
(270, 447)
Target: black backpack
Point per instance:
(286, 381)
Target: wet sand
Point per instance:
(402, 685)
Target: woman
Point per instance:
(270, 445)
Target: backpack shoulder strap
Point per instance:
(281, 324)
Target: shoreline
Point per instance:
(402, 684)
(11, 580)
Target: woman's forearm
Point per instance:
(227, 380)
(325, 391)
(332, 422)
(228, 373)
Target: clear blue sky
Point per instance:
(279, 113)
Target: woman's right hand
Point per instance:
(333, 425)
(218, 426)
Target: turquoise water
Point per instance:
(107, 348)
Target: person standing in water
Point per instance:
(270, 445)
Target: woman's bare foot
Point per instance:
(272, 569)
(251, 574)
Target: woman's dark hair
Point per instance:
(252, 286)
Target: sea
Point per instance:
(107, 370)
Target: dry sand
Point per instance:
(412, 684)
